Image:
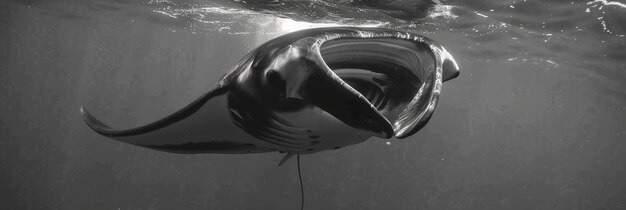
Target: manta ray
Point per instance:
(306, 92)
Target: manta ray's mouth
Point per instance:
(392, 74)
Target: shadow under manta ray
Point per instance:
(305, 92)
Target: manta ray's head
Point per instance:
(385, 83)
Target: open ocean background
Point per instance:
(536, 120)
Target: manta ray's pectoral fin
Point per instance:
(197, 128)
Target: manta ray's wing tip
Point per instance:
(93, 122)
(83, 111)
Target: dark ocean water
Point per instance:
(536, 120)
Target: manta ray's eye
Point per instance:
(276, 82)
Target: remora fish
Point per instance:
(305, 92)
